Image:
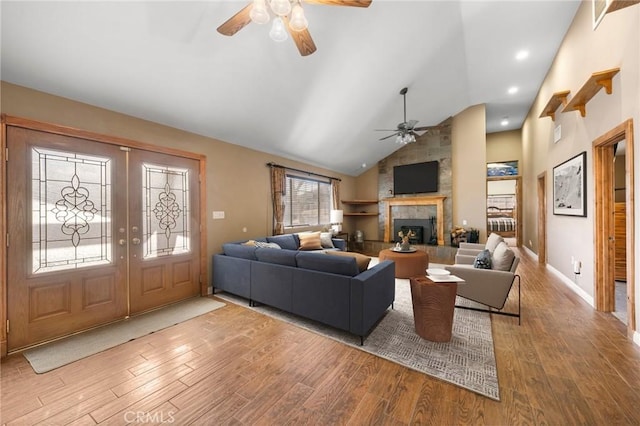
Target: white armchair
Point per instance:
(490, 287)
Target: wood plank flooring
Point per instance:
(566, 364)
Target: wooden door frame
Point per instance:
(7, 120)
(542, 217)
(604, 243)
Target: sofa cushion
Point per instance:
(331, 264)
(281, 257)
(483, 260)
(502, 257)
(240, 250)
(493, 241)
(361, 260)
(310, 241)
(326, 239)
(286, 241)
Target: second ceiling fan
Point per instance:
(406, 131)
(289, 17)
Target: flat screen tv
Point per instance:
(415, 178)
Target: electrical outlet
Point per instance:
(464, 222)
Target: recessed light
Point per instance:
(504, 122)
(512, 90)
(522, 54)
(364, 165)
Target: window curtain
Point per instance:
(335, 194)
(278, 191)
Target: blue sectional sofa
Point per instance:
(327, 288)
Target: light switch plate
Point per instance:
(218, 215)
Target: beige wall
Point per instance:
(504, 146)
(469, 168)
(237, 178)
(615, 43)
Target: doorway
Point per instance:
(504, 208)
(98, 231)
(542, 218)
(605, 235)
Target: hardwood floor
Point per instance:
(566, 364)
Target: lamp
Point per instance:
(261, 14)
(278, 32)
(335, 217)
(405, 138)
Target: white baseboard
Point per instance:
(573, 286)
(531, 252)
(636, 338)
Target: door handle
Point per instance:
(122, 242)
(135, 241)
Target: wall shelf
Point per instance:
(360, 214)
(597, 81)
(620, 4)
(557, 99)
(366, 212)
(356, 202)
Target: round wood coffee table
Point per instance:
(408, 264)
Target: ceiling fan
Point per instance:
(406, 131)
(288, 14)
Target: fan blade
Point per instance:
(410, 124)
(352, 3)
(236, 22)
(391, 135)
(385, 130)
(302, 39)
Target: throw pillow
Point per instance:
(502, 258)
(310, 241)
(325, 239)
(483, 260)
(361, 259)
(493, 241)
(266, 245)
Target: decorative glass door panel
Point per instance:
(166, 211)
(71, 210)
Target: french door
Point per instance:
(97, 232)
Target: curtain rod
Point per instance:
(302, 171)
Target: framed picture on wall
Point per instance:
(570, 187)
(502, 168)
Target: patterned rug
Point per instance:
(468, 360)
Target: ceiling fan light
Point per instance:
(281, 7)
(298, 21)
(259, 12)
(278, 31)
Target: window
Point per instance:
(307, 202)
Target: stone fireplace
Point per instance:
(432, 146)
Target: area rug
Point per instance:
(468, 360)
(65, 351)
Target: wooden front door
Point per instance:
(97, 232)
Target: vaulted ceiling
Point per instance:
(165, 62)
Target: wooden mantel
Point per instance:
(437, 201)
